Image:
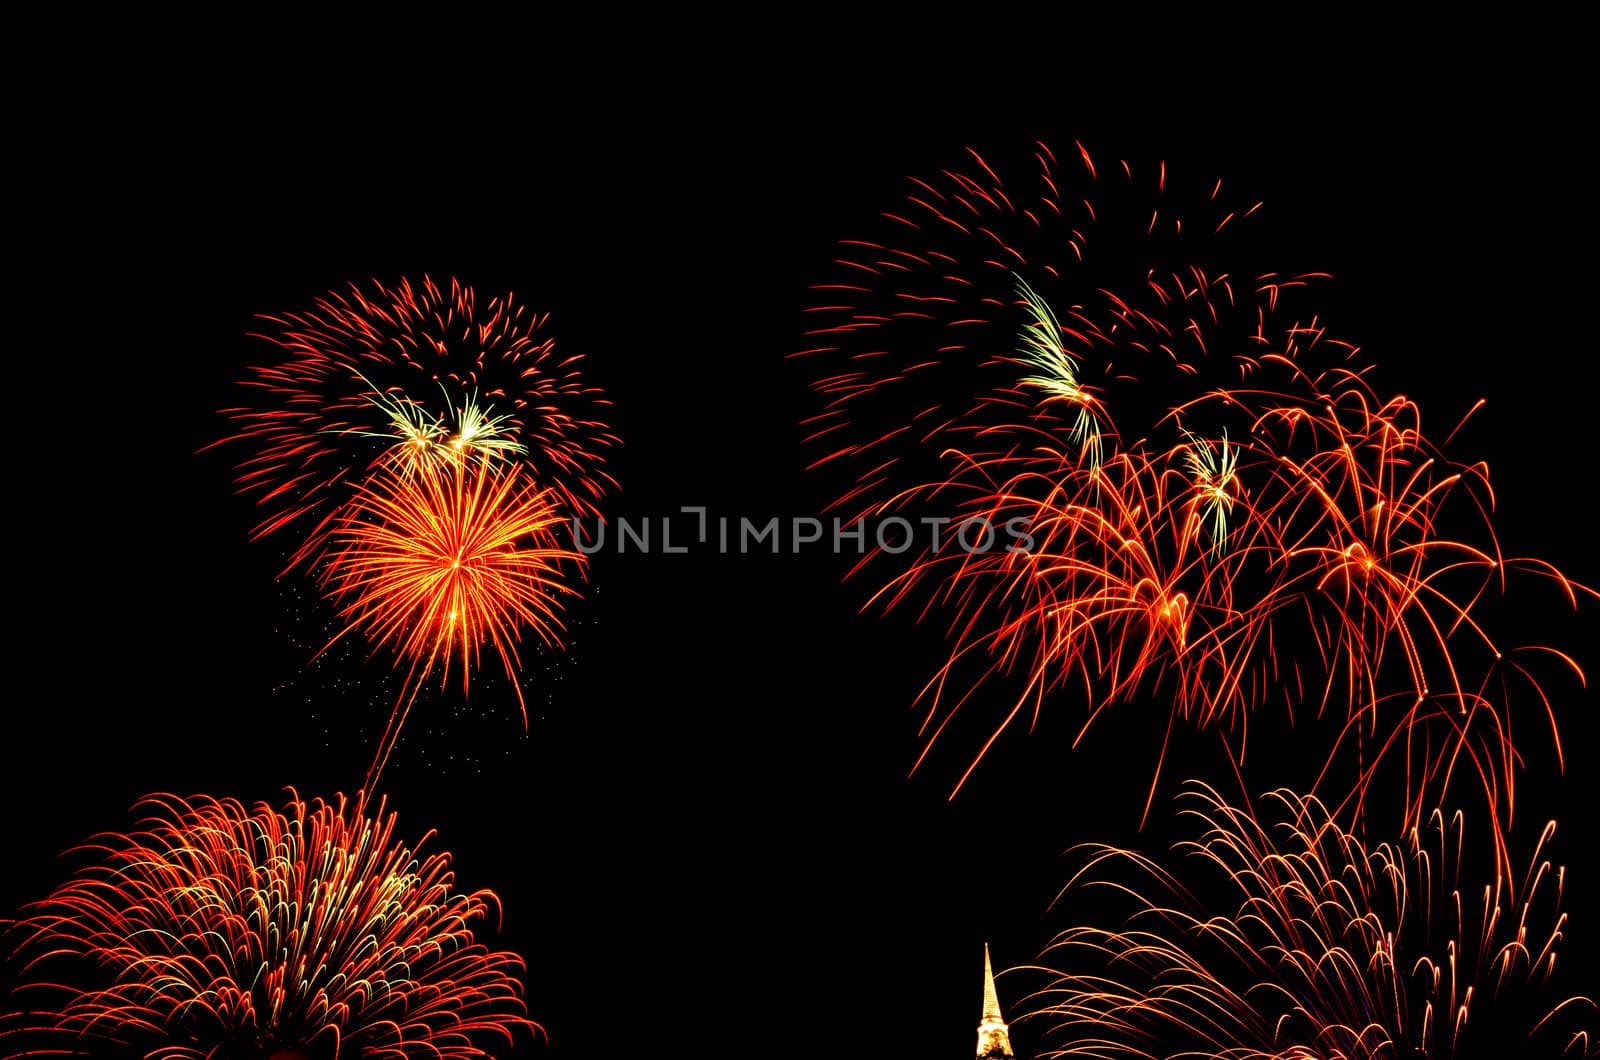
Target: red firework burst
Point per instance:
(918, 338)
(216, 930)
(411, 375)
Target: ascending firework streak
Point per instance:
(423, 448)
(1326, 948)
(1224, 513)
(217, 930)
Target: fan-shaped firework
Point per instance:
(217, 930)
(411, 376)
(1223, 512)
(1325, 949)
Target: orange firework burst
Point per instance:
(217, 930)
(1324, 949)
(1223, 512)
(436, 563)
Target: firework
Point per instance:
(420, 447)
(219, 930)
(418, 377)
(987, 304)
(436, 564)
(1224, 514)
(1307, 571)
(1326, 949)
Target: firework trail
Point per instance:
(217, 930)
(1325, 948)
(1224, 514)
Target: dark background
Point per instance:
(707, 837)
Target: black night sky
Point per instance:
(708, 826)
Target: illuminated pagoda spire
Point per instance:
(994, 1041)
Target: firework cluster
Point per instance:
(1226, 516)
(1222, 512)
(1226, 513)
(420, 449)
